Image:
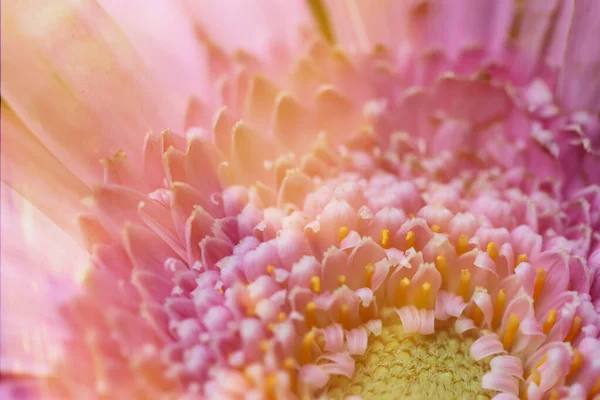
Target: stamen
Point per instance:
(342, 233)
(341, 280)
(264, 345)
(311, 314)
(270, 386)
(411, 215)
(410, 239)
(576, 363)
(402, 290)
(423, 298)
(385, 238)
(306, 349)
(270, 269)
(463, 244)
(321, 16)
(282, 316)
(369, 271)
(250, 310)
(492, 250)
(511, 332)
(536, 377)
(542, 361)
(477, 316)
(595, 389)
(540, 280)
(575, 326)
(365, 313)
(221, 291)
(315, 284)
(436, 228)
(521, 259)
(499, 308)
(440, 265)
(463, 286)
(289, 364)
(344, 316)
(550, 321)
(554, 395)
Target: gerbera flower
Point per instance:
(390, 200)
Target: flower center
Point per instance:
(414, 366)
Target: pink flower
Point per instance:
(331, 169)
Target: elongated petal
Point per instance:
(76, 81)
(40, 264)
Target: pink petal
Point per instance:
(486, 346)
(31, 41)
(172, 35)
(340, 364)
(334, 338)
(40, 265)
(578, 84)
(409, 315)
(314, 376)
(500, 382)
(357, 341)
(375, 326)
(508, 365)
(463, 324)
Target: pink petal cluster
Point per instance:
(441, 177)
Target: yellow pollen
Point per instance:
(342, 233)
(315, 284)
(402, 289)
(554, 395)
(306, 348)
(411, 215)
(344, 316)
(423, 299)
(540, 280)
(385, 238)
(282, 316)
(492, 250)
(436, 228)
(576, 363)
(511, 332)
(550, 321)
(463, 286)
(289, 364)
(463, 244)
(270, 269)
(369, 271)
(521, 259)
(499, 308)
(440, 265)
(477, 315)
(410, 239)
(271, 326)
(270, 387)
(575, 326)
(311, 314)
(220, 290)
(536, 377)
(341, 280)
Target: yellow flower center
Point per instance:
(400, 365)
